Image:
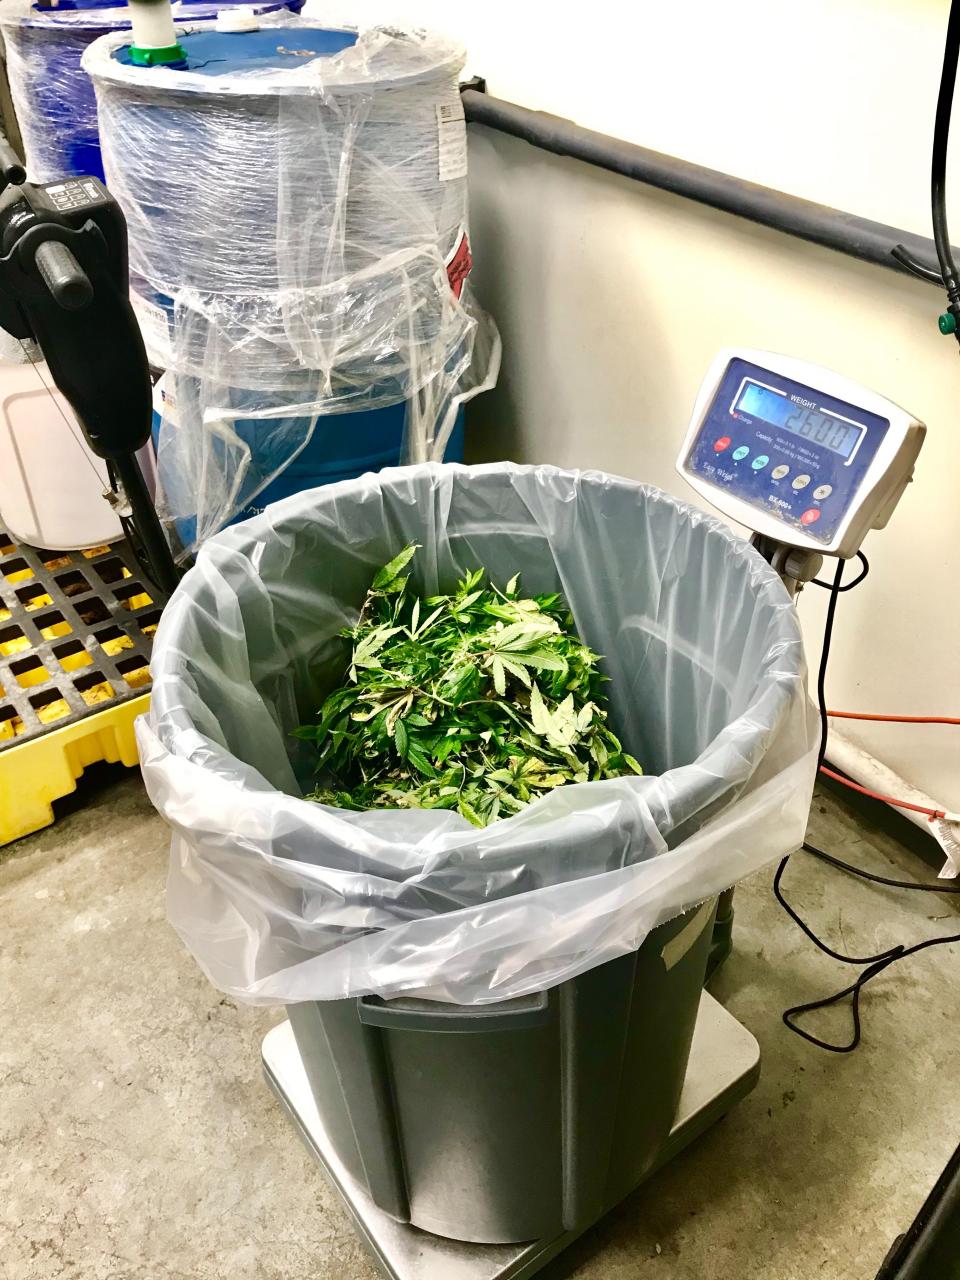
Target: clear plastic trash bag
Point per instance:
(282, 900)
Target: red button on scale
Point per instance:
(722, 443)
(811, 516)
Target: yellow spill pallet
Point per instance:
(34, 774)
(75, 635)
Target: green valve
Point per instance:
(171, 53)
(948, 324)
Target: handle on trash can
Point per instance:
(434, 1015)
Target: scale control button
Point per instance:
(759, 462)
(740, 453)
(822, 491)
(801, 482)
(779, 472)
(811, 516)
(721, 444)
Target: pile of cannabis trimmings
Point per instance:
(479, 701)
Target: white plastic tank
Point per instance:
(51, 484)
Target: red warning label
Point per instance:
(459, 263)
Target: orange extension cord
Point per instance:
(932, 814)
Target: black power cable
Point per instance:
(938, 165)
(875, 879)
(878, 963)
(835, 590)
(817, 582)
(947, 275)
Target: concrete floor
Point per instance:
(139, 1141)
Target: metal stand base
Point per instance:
(724, 1066)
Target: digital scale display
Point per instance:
(839, 434)
(786, 448)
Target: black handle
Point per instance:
(403, 1014)
(63, 275)
(12, 172)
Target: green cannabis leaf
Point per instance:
(478, 701)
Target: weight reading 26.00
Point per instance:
(840, 435)
(817, 427)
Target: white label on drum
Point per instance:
(155, 327)
(451, 141)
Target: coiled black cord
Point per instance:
(876, 963)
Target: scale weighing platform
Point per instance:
(724, 1066)
(809, 461)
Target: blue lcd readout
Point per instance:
(785, 448)
(806, 421)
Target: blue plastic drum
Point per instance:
(53, 97)
(259, 226)
(342, 447)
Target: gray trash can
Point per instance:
(495, 1023)
(517, 1120)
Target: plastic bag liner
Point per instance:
(283, 900)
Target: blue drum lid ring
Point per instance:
(108, 62)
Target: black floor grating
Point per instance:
(76, 630)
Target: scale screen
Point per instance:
(842, 435)
(785, 448)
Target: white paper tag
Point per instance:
(155, 326)
(948, 833)
(451, 141)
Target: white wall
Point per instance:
(613, 297)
